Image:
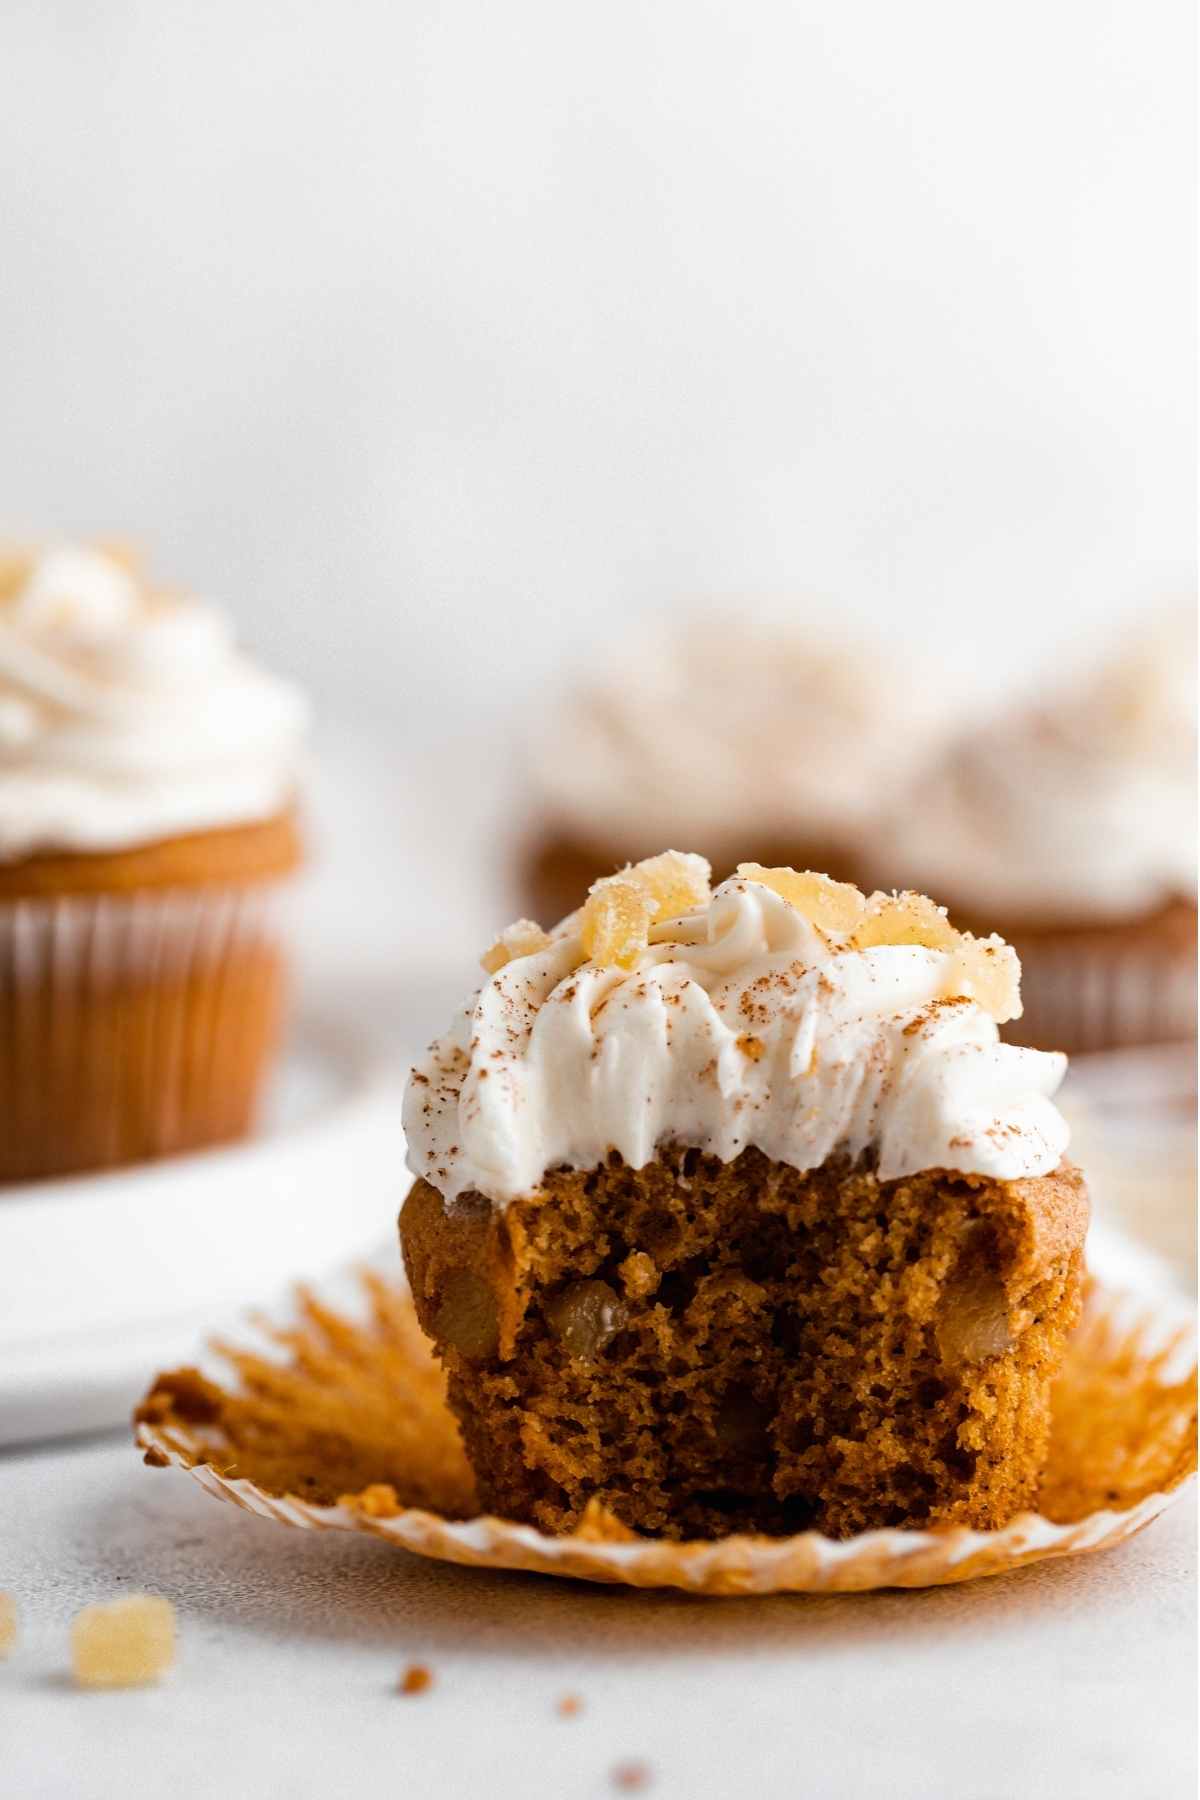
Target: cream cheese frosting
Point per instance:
(127, 714)
(725, 730)
(739, 1024)
(1081, 808)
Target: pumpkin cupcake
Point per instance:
(738, 735)
(147, 833)
(1071, 825)
(734, 1214)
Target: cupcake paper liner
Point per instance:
(1080, 996)
(336, 1421)
(134, 1025)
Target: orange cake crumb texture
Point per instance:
(357, 1412)
(123, 1643)
(812, 1349)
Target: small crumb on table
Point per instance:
(123, 1643)
(568, 1706)
(630, 1777)
(415, 1679)
(8, 1623)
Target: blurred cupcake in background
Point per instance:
(148, 780)
(1072, 826)
(740, 739)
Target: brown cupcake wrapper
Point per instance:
(1123, 1449)
(134, 1025)
(1080, 996)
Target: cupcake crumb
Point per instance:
(123, 1643)
(8, 1624)
(416, 1679)
(631, 1777)
(569, 1706)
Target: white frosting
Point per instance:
(127, 715)
(1082, 808)
(740, 1025)
(726, 732)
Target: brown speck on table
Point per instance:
(415, 1679)
(631, 1777)
(569, 1707)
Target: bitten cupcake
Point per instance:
(148, 780)
(742, 737)
(1071, 826)
(734, 1214)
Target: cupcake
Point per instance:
(743, 737)
(147, 834)
(732, 1213)
(1071, 827)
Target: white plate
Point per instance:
(106, 1278)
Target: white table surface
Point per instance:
(1071, 1679)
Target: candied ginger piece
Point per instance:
(904, 919)
(615, 925)
(829, 905)
(123, 1643)
(988, 971)
(524, 938)
(8, 1624)
(620, 909)
(677, 881)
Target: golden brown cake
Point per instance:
(151, 1050)
(147, 837)
(733, 1213)
(706, 1347)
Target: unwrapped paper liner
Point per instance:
(338, 1422)
(1082, 995)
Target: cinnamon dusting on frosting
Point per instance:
(742, 1022)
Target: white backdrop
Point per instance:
(440, 336)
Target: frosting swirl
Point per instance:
(126, 714)
(740, 1024)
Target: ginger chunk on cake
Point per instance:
(621, 908)
(524, 938)
(831, 905)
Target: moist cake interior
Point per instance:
(707, 1347)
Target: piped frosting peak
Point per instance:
(784, 1011)
(126, 712)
